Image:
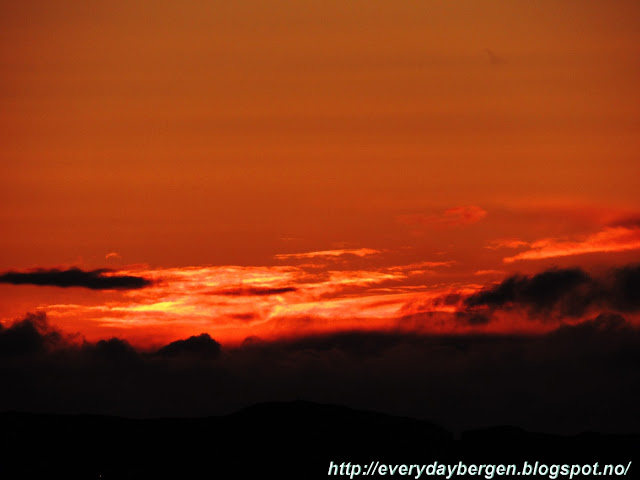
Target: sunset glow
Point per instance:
(270, 239)
(272, 171)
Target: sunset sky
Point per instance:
(276, 170)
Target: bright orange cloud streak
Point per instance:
(612, 239)
(358, 252)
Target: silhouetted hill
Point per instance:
(271, 440)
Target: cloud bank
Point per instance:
(575, 378)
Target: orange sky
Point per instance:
(212, 145)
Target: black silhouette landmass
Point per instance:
(272, 440)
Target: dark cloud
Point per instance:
(566, 292)
(603, 325)
(74, 277)
(28, 336)
(253, 291)
(472, 318)
(625, 289)
(114, 352)
(632, 221)
(201, 346)
(541, 292)
(448, 300)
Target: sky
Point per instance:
(283, 171)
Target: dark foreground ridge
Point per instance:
(271, 440)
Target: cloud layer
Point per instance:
(274, 302)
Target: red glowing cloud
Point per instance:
(235, 302)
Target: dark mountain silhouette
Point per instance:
(271, 440)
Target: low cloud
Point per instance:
(200, 346)
(100, 279)
(30, 336)
(575, 378)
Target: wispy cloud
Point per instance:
(489, 272)
(506, 243)
(611, 239)
(452, 217)
(358, 252)
(420, 266)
